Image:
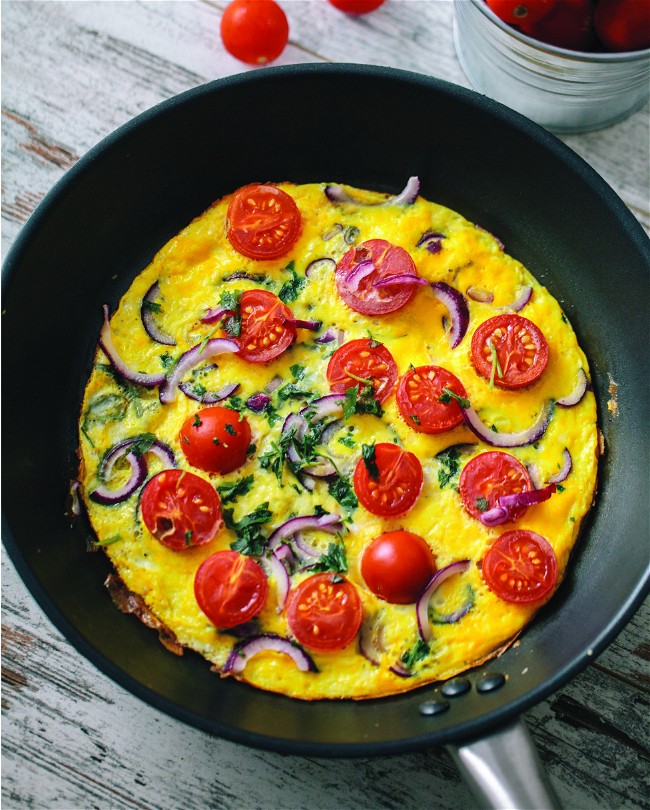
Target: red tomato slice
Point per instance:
(230, 588)
(267, 327)
(254, 31)
(488, 476)
(324, 612)
(364, 265)
(359, 363)
(215, 439)
(398, 486)
(180, 509)
(418, 399)
(397, 566)
(520, 566)
(263, 222)
(521, 351)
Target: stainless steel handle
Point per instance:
(503, 772)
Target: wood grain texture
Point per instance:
(72, 73)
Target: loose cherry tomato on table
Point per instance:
(230, 588)
(180, 509)
(520, 566)
(362, 362)
(254, 31)
(509, 350)
(516, 11)
(356, 6)
(267, 327)
(397, 566)
(424, 400)
(623, 25)
(487, 477)
(263, 221)
(364, 265)
(215, 439)
(395, 485)
(324, 612)
(569, 24)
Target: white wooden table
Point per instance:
(71, 738)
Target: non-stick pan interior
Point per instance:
(374, 128)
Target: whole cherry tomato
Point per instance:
(517, 11)
(623, 25)
(570, 24)
(356, 6)
(215, 439)
(254, 31)
(397, 566)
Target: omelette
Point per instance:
(337, 442)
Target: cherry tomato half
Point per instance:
(520, 566)
(623, 25)
(487, 477)
(324, 612)
(362, 362)
(215, 439)
(230, 588)
(569, 24)
(516, 11)
(254, 31)
(398, 485)
(263, 222)
(356, 6)
(180, 509)
(266, 326)
(363, 266)
(397, 566)
(521, 351)
(418, 399)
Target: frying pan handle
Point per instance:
(502, 771)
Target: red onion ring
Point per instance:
(431, 241)
(400, 280)
(519, 439)
(408, 195)
(455, 615)
(371, 641)
(189, 360)
(107, 497)
(107, 345)
(422, 605)
(208, 397)
(281, 577)
(311, 324)
(215, 314)
(523, 297)
(502, 512)
(565, 469)
(244, 650)
(359, 272)
(146, 314)
(457, 308)
(330, 522)
(578, 392)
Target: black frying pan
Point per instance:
(370, 127)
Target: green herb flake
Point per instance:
(447, 395)
(250, 540)
(334, 559)
(230, 429)
(291, 289)
(496, 367)
(482, 504)
(188, 537)
(369, 457)
(235, 489)
(109, 540)
(142, 444)
(416, 654)
(449, 466)
(152, 306)
(196, 422)
(342, 492)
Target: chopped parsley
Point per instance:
(369, 457)
(482, 504)
(109, 540)
(231, 321)
(235, 489)
(417, 653)
(294, 391)
(152, 306)
(167, 362)
(250, 540)
(342, 492)
(447, 396)
(291, 289)
(496, 366)
(142, 444)
(348, 441)
(334, 559)
(449, 466)
(230, 429)
(196, 422)
(361, 401)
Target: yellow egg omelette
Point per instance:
(337, 442)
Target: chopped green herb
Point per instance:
(231, 491)
(196, 421)
(496, 367)
(230, 429)
(449, 466)
(167, 362)
(216, 441)
(348, 441)
(559, 488)
(415, 418)
(290, 290)
(152, 306)
(341, 490)
(447, 396)
(251, 449)
(231, 322)
(250, 540)
(482, 504)
(370, 460)
(294, 391)
(205, 340)
(417, 653)
(334, 559)
(298, 371)
(188, 537)
(106, 408)
(109, 540)
(142, 444)
(362, 401)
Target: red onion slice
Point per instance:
(565, 469)
(400, 280)
(281, 577)
(457, 308)
(502, 512)
(189, 360)
(431, 241)
(455, 615)
(578, 392)
(523, 297)
(108, 347)
(257, 402)
(310, 324)
(519, 439)
(146, 313)
(422, 605)
(208, 397)
(215, 314)
(329, 405)
(359, 272)
(371, 641)
(329, 522)
(399, 669)
(317, 265)
(408, 195)
(107, 497)
(244, 650)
